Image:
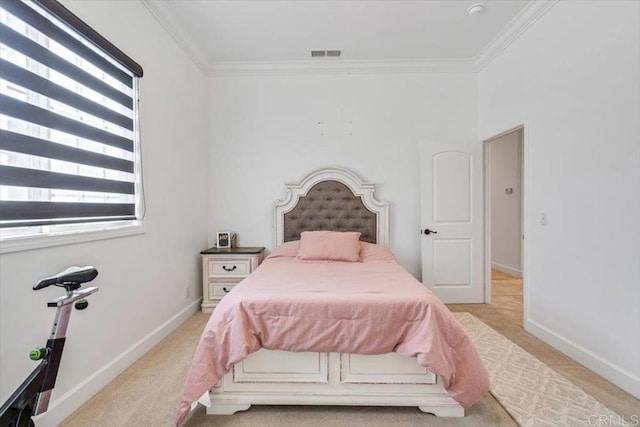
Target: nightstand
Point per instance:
(223, 268)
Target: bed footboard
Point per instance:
(271, 377)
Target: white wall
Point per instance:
(506, 212)
(266, 130)
(572, 79)
(143, 278)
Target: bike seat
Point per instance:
(72, 276)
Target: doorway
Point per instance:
(504, 231)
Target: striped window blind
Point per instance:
(68, 120)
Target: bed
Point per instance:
(317, 332)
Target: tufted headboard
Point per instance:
(331, 199)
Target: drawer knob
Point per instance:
(225, 268)
(225, 289)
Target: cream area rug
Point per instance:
(534, 394)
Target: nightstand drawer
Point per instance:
(220, 289)
(229, 267)
(224, 268)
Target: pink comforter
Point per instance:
(370, 307)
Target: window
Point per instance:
(69, 157)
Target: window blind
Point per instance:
(68, 120)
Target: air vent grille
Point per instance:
(331, 53)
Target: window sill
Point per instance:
(26, 243)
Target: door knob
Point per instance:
(427, 231)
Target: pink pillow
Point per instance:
(329, 246)
(286, 250)
(373, 252)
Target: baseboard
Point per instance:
(64, 406)
(507, 270)
(622, 378)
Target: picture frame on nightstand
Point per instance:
(224, 239)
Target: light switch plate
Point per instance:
(543, 219)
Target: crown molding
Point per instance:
(339, 66)
(163, 15)
(514, 29)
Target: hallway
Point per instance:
(506, 296)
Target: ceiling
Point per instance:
(236, 31)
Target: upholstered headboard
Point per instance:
(331, 199)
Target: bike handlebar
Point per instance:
(70, 276)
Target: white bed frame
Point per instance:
(270, 377)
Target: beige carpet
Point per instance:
(147, 393)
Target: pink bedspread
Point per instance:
(371, 307)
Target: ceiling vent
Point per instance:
(333, 53)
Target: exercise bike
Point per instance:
(33, 395)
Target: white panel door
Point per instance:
(452, 227)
